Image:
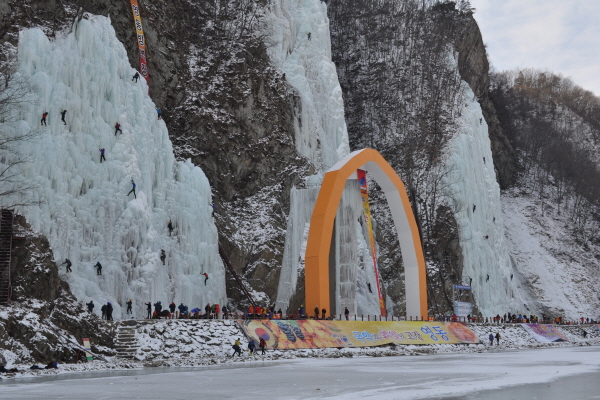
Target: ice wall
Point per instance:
(322, 137)
(321, 133)
(475, 196)
(86, 213)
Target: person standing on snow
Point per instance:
(172, 307)
(136, 76)
(251, 345)
(62, 116)
(346, 313)
(129, 304)
(103, 309)
(68, 263)
(170, 227)
(498, 338)
(491, 338)
(90, 306)
(117, 128)
(236, 348)
(98, 267)
(132, 189)
(163, 256)
(149, 309)
(102, 155)
(262, 344)
(205, 277)
(44, 115)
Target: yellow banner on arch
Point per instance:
(314, 334)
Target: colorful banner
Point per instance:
(140, 40)
(313, 334)
(545, 333)
(364, 193)
(88, 348)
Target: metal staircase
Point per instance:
(6, 232)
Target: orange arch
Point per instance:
(322, 221)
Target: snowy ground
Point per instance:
(412, 377)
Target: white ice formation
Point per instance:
(86, 213)
(474, 193)
(322, 137)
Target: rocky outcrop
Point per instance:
(44, 321)
(474, 68)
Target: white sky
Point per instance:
(562, 36)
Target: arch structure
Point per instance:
(317, 283)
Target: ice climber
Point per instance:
(158, 111)
(309, 35)
(44, 115)
(511, 276)
(102, 155)
(117, 128)
(132, 189)
(68, 263)
(170, 227)
(488, 277)
(90, 306)
(236, 348)
(62, 116)
(136, 76)
(163, 256)
(369, 287)
(484, 160)
(149, 309)
(98, 267)
(474, 207)
(205, 277)
(129, 304)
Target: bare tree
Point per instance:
(16, 91)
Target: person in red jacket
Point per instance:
(250, 311)
(217, 311)
(262, 344)
(117, 128)
(205, 277)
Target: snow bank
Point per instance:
(86, 213)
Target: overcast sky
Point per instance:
(562, 36)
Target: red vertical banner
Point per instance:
(364, 194)
(141, 41)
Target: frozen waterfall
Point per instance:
(85, 211)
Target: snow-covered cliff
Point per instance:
(85, 211)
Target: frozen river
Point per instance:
(553, 373)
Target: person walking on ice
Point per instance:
(170, 227)
(44, 115)
(205, 277)
(117, 128)
(136, 76)
(102, 155)
(62, 116)
(68, 263)
(163, 256)
(98, 267)
(132, 189)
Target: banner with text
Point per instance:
(364, 194)
(313, 334)
(141, 41)
(545, 333)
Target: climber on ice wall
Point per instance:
(132, 189)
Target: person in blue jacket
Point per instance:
(132, 189)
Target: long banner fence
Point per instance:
(312, 334)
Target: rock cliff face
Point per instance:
(44, 321)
